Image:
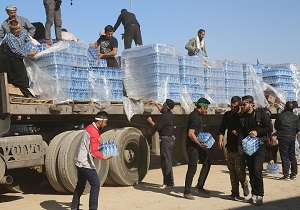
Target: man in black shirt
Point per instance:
(196, 151)
(256, 160)
(165, 129)
(235, 161)
(131, 27)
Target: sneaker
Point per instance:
(164, 186)
(293, 177)
(259, 200)
(189, 196)
(252, 199)
(234, 196)
(285, 177)
(201, 191)
(246, 190)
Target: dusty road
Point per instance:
(278, 195)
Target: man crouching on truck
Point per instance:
(196, 151)
(165, 128)
(88, 148)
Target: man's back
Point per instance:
(287, 126)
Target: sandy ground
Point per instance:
(278, 194)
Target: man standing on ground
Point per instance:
(165, 128)
(235, 161)
(87, 150)
(108, 47)
(250, 126)
(131, 27)
(196, 151)
(287, 126)
(12, 15)
(53, 14)
(197, 44)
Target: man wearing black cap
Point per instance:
(131, 27)
(196, 151)
(165, 129)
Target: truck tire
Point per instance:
(132, 164)
(51, 162)
(65, 161)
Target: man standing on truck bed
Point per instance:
(12, 15)
(87, 150)
(165, 128)
(196, 151)
(197, 44)
(131, 27)
(108, 47)
(235, 161)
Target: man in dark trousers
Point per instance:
(165, 129)
(254, 162)
(235, 161)
(287, 126)
(131, 27)
(196, 151)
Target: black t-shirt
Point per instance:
(126, 18)
(194, 122)
(231, 121)
(107, 45)
(165, 126)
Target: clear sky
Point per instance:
(239, 30)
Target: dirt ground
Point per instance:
(278, 194)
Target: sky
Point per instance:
(237, 30)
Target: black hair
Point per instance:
(102, 114)
(123, 10)
(170, 103)
(63, 29)
(248, 98)
(235, 99)
(108, 28)
(289, 106)
(201, 30)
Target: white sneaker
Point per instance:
(259, 200)
(252, 199)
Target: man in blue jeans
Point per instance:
(88, 148)
(165, 129)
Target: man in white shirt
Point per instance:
(67, 36)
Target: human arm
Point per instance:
(190, 46)
(111, 54)
(31, 53)
(222, 130)
(2, 33)
(29, 27)
(156, 104)
(204, 50)
(150, 120)
(267, 126)
(14, 45)
(118, 23)
(192, 136)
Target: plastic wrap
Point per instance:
(186, 101)
(43, 84)
(56, 47)
(100, 91)
(132, 107)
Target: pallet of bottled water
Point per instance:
(206, 139)
(273, 168)
(109, 148)
(250, 144)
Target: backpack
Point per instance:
(257, 116)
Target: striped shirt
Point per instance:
(14, 44)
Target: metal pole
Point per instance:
(130, 5)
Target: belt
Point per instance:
(162, 137)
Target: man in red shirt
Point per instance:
(88, 148)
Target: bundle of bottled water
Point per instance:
(214, 82)
(192, 75)
(206, 139)
(248, 79)
(273, 168)
(234, 80)
(109, 148)
(151, 72)
(250, 144)
(283, 77)
(80, 87)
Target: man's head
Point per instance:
(201, 34)
(289, 106)
(247, 104)
(101, 119)
(14, 27)
(109, 31)
(123, 11)
(235, 104)
(169, 104)
(11, 11)
(202, 105)
(65, 30)
(295, 104)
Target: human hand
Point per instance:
(196, 49)
(93, 45)
(240, 149)
(107, 158)
(203, 147)
(271, 162)
(220, 144)
(100, 56)
(31, 53)
(253, 133)
(152, 102)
